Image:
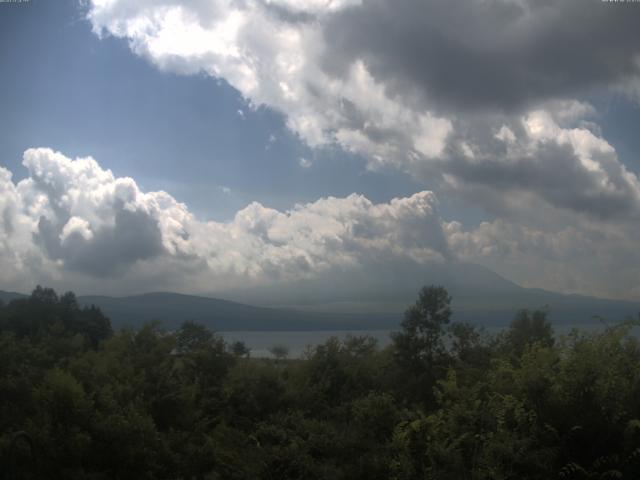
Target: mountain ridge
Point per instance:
(171, 309)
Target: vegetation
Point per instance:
(444, 401)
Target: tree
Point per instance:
(95, 325)
(528, 328)
(60, 320)
(192, 337)
(466, 344)
(240, 349)
(422, 328)
(419, 349)
(44, 295)
(69, 301)
(280, 352)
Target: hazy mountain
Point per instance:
(172, 309)
(365, 286)
(6, 297)
(479, 296)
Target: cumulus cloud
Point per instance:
(481, 99)
(18, 258)
(305, 162)
(399, 83)
(593, 259)
(272, 53)
(86, 218)
(75, 217)
(74, 224)
(549, 159)
(495, 54)
(380, 77)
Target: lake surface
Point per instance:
(297, 342)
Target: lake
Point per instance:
(297, 342)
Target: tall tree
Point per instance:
(419, 348)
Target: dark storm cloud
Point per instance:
(555, 173)
(495, 54)
(134, 236)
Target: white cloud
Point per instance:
(372, 75)
(506, 135)
(73, 224)
(276, 61)
(309, 59)
(19, 257)
(590, 259)
(314, 6)
(76, 226)
(74, 219)
(395, 82)
(542, 166)
(305, 162)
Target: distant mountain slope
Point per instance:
(6, 297)
(359, 300)
(398, 285)
(479, 294)
(563, 309)
(172, 309)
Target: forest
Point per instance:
(445, 400)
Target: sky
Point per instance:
(205, 146)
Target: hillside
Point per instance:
(172, 309)
(6, 297)
(480, 296)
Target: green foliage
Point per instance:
(240, 349)
(420, 342)
(280, 352)
(526, 329)
(419, 349)
(444, 401)
(45, 316)
(193, 337)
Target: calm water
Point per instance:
(297, 342)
